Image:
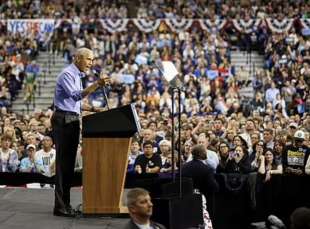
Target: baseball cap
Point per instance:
(299, 134)
(31, 146)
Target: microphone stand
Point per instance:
(105, 96)
(177, 90)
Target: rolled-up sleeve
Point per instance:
(70, 85)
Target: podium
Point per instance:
(106, 144)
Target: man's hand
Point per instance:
(104, 80)
(294, 171)
(289, 170)
(298, 172)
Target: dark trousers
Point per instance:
(66, 137)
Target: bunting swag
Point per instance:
(145, 25)
(246, 26)
(176, 25)
(305, 23)
(113, 26)
(207, 24)
(179, 25)
(277, 26)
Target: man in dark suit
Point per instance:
(140, 208)
(201, 174)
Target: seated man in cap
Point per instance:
(28, 164)
(295, 156)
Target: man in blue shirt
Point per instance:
(69, 93)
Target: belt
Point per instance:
(66, 112)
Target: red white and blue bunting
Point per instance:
(145, 25)
(113, 26)
(277, 26)
(208, 25)
(246, 26)
(179, 25)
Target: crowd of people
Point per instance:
(211, 105)
(268, 135)
(156, 9)
(59, 9)
(18, 67)
(222, 9)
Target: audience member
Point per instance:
(8, 157)
(296, 156)
(148, 162)
(268, 165)
(133, 154)
(29, 164)
(46, 157)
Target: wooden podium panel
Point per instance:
(104, 172)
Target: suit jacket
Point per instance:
(132, 225)
(202, 176)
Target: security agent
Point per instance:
(140, 208)
(66, 124)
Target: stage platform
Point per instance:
(25, 208)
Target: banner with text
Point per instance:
(31, 27)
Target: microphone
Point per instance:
(98, 74)
(106, 87)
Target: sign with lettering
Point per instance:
(28, 27)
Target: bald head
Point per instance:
(83, 59)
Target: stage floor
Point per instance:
(33, 209)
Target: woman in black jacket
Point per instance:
(238, 162)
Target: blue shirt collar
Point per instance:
(77, 71)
